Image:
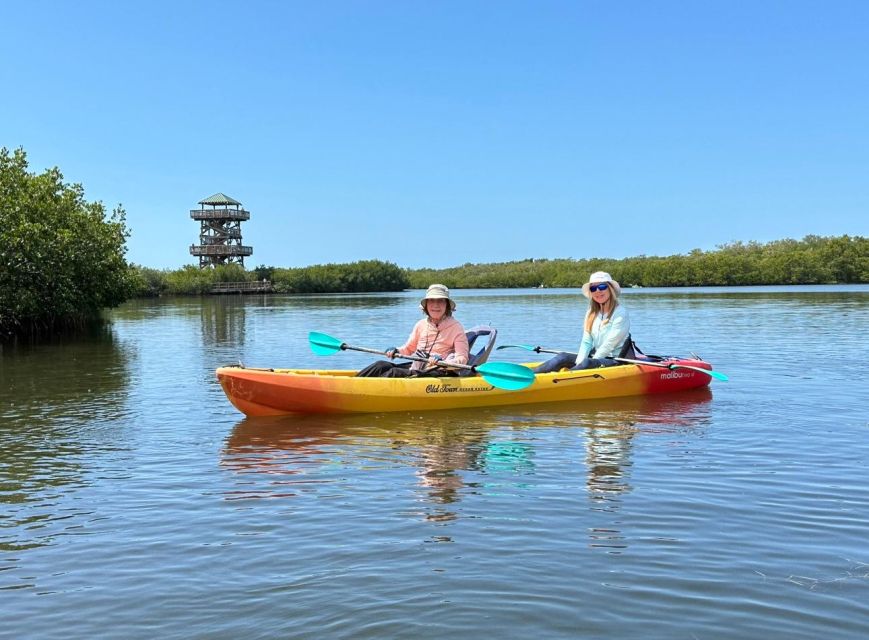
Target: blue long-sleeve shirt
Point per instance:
(606, 339)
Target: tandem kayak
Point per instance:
(272, 392)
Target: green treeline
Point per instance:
(61, 257)
(356, 277)
(367, 275)
(812, 260)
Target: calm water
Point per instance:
(135, 502)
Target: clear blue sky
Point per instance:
(438, 133)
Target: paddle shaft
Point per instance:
(448, 365)
(648, 362)
(528, 347)
(542, 350)
(673, 365)
(504, 375)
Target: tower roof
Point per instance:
(220, 198)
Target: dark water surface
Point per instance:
(135, 502)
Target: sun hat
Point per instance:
(598, 277)
(437, 292)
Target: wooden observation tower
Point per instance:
(220, 231)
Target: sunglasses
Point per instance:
(603, 286)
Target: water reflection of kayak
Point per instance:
(300, 452)
(313, 432)
(265, 392)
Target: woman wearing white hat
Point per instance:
(438, 337)
(606, 330)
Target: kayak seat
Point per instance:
(632, 351)
(483, 350)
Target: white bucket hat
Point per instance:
(596, 278)
(437, 292)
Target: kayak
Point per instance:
(273, 392)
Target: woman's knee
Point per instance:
(594, 363)
(586, 363)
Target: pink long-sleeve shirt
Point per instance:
(446, 339)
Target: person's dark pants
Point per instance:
(387, 369)
(565, 360)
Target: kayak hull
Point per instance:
(272, 392)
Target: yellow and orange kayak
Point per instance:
(271, 392)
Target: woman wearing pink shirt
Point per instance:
(438, 337)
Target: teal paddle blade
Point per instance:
(715, 374)
(527, 347)
(506, 375)
(324, 345)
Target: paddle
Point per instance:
(671, 365)
(503, 375)
(666, 365)
(527, 347)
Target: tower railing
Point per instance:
(220, 250)
(219, 214)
